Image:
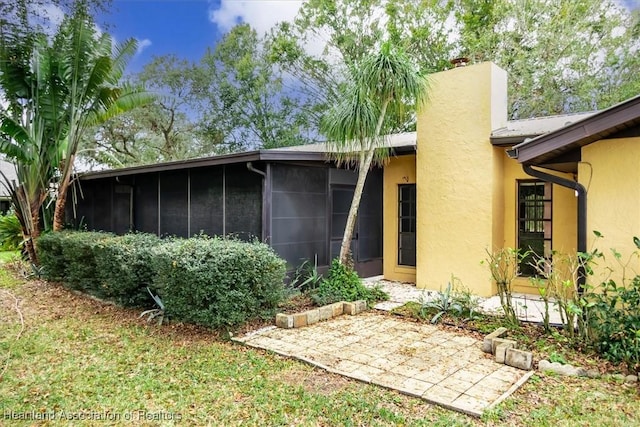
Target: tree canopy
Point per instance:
(561, 56)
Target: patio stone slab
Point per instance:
(420, 360)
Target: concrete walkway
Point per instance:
(421, 360)
(528, 308)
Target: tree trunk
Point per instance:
(61, 200)
(30, 237)
(363, 170)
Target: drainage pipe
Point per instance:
(582, 211)
(258, 171)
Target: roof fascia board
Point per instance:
(250, 156)
(581, 130)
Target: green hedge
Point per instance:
(209, 281)
(124, 268)
(81, 272)
(49, 249)
(218, 282)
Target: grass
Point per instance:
(79, 357)
(6, 256)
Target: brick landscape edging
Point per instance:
(326, 312)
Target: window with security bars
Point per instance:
(534, 222)
(407, 224)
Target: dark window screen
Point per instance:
(121, 208)
(146, 203)
(100, 218)
(206, 201)
(173, 203)
(243, 202)
(341, 200)
(84, 193)
(370, 218)
(299, 213)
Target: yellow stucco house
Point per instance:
(468, 180)
(477, 181)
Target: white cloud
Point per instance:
(48, 16)
(142, 45)
(260, 14)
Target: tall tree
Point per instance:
(54, 90)
(355, 126)
(562, 56)
(249, 103)
(164, 130)
(92, 70)
(31, 125)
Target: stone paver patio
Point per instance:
(421, 360)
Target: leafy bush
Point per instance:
(615, 321)
(52, 261)
(218, 282)
(11, 238)
(80, 270)
(343, 284)
(124, 268)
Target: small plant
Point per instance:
(11, 238)
(503, 265)
(343, 284)
(154, 313)
(558, 278)
(463, 297)
(543, 290)
(443, 303)
(557, 358)
(455, 300)
(306, 277)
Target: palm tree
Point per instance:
(379, 88)
(54, 91)
(30, 126)
(91, 71)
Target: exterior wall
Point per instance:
(459, 177)
(399, 170)
(563, 220)
(610, 171)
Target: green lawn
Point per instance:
(79, 357)
(9, 255)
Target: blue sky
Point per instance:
(187, 27)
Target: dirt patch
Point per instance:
(315, 381)
(297, 304)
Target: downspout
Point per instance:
(582, 211)
(258, 171)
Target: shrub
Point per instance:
(80, 270)
(52, 261)
(343, 284)
(218, 282)
(124, 268)
(11, 238)
(615, 322)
